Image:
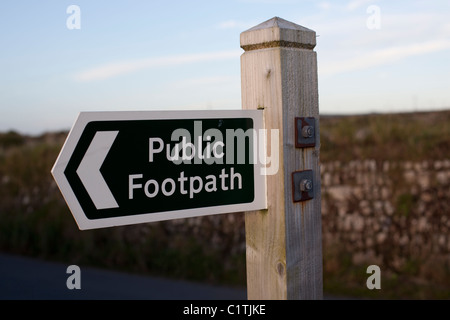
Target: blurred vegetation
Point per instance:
(10, 139)
(35, 220)
(409, 136)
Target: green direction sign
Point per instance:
(119, 168)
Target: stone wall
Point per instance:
(393, 214)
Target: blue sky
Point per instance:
(177, 55)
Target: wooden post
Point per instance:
(284, 242)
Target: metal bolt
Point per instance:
(307, 131)
(306, 185)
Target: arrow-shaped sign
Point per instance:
(119, 168)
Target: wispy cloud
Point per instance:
(384, 56)
(124, 67)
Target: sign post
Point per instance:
(284, 242)
(119, 168)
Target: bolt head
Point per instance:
(306, 185)
(307, 131)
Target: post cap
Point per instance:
(277, 32)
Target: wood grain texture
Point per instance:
(284, 242)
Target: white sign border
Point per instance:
(259, 202)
